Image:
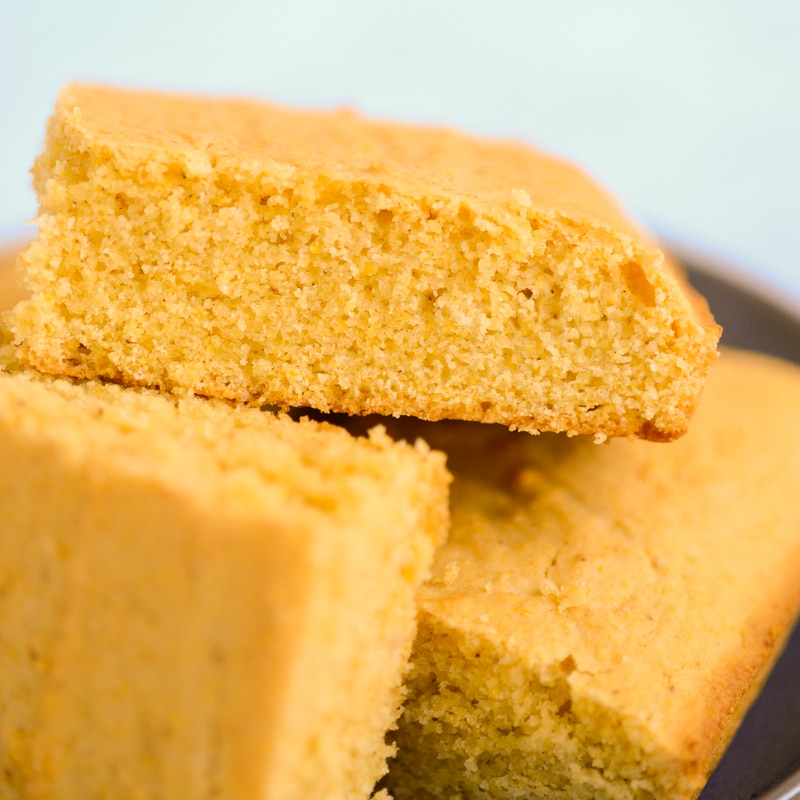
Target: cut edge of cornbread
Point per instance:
(242, 250)
(196, 598)
(547, 739)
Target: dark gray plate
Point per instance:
(763, 761)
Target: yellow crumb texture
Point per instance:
(602, 616)
(198, 600)
(254, 253)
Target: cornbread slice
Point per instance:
(602, 616)
(198, 601)
(298, 258)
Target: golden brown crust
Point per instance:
(341, 142)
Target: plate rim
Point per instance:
(727, 271)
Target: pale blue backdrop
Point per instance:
(688, 110)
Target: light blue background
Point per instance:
(688, 110)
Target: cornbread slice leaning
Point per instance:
(198, 601)
(297, 258)
(602, 616)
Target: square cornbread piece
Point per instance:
(198, 601)
(256, 253)
(602, 616)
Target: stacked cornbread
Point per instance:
(601, 617)
(203, 599)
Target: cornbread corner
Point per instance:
(601, 618)
(198, 600)
(246, 251)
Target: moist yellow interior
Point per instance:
(356, 292)
(480, 724)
